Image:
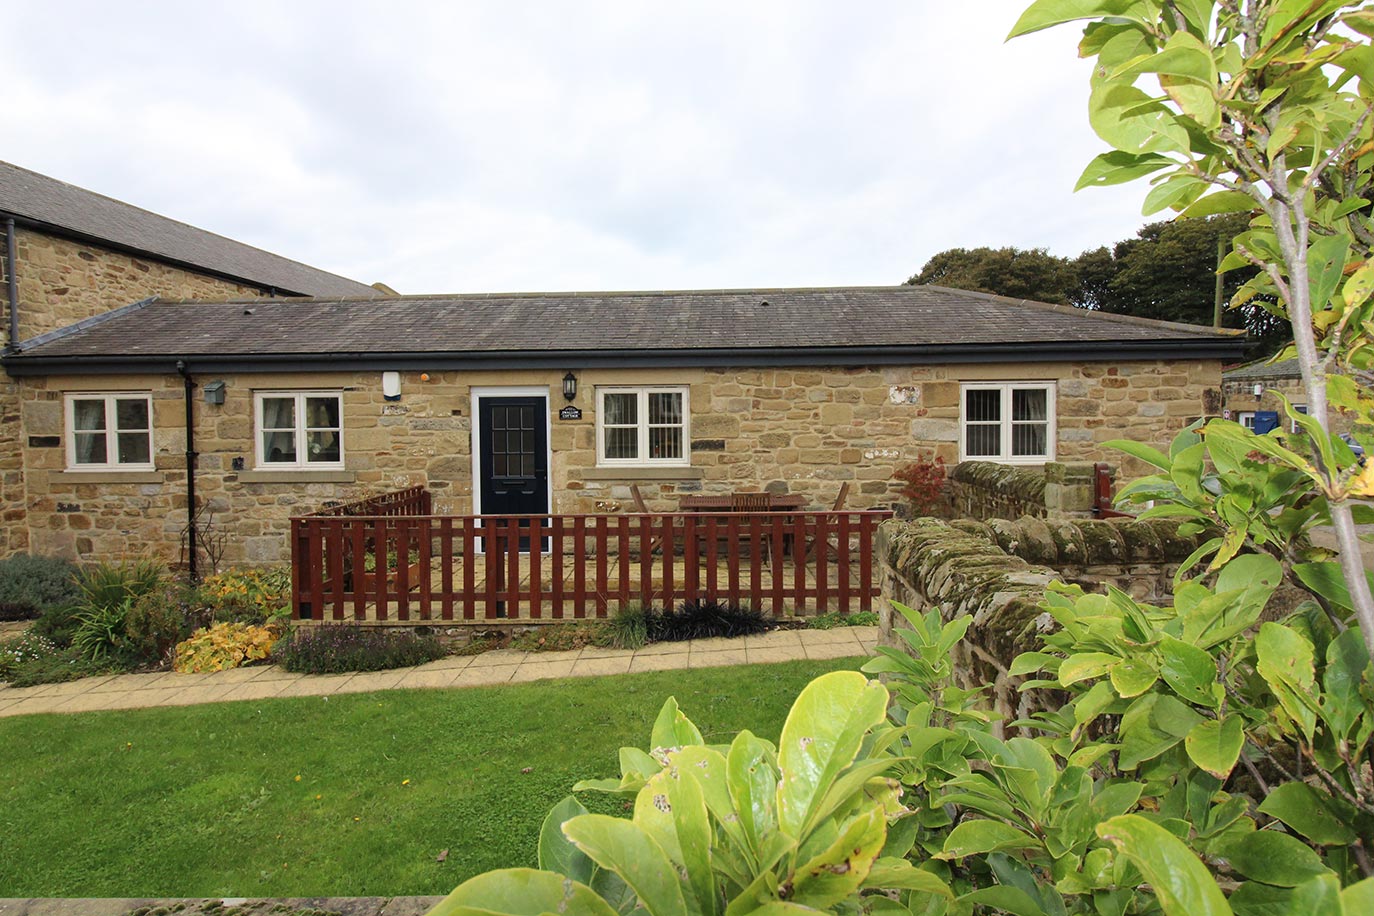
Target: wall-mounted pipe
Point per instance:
(192, 535)
(12, 283)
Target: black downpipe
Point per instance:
(192, 535)
(12, 276)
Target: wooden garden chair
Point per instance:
(656, 544)
(813, 545)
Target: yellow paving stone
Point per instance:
(775, 639)
(33, 705)
(657, 662)
(253, 690)
(497, 657)
(774, 654)
(72, 688)
(561, 655)
(372, 680)
(190, 696)
(825, 637)
(447, 663)
(140, 699)
(603, 665)
(276, 673)
(315, 686)
(539, 670)
(424, 677)
(238, 675)
(127, 682)
(484, 675)
(715, 644)
(718, 658)
(834, 650)
(662, 648)
(591, 652)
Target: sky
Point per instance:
(520, 146)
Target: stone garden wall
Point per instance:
(996, 572)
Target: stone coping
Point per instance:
(501, 666)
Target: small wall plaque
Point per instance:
(570, 413)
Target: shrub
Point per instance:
(59, 623)
(30, 585)
(705, 619)
(628, 629)
(34, 659)
(924, 484)
(108, 592)
(248, 595)
(337, 649)
(225, 645)
(157, 621)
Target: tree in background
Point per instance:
(1166, 271)
(1018, 273)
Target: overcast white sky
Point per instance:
(469, 147)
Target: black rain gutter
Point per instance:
(1057, 351)
(192, 535)
(12, 284)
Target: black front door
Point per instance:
(514, 464)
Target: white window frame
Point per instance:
(260, 460)
(111, 430)
(642, 426)
(1004, 455)
(1246, 418)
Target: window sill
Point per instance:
(296, 476)
(642, 473)
(105, 476)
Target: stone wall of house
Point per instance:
(804, 431)
(60, 283)
(996, 573)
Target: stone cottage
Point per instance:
(68, 254)
(534, 403)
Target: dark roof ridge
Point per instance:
(84, 324)
(1099, 315)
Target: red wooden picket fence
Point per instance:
(408, 566)
(1103, 501)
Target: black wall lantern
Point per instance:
(570, 386)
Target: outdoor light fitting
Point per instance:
(570, 386)
(1259, 391)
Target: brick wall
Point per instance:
(803, 431)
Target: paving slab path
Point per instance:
(500, 666)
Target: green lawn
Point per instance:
(350, 795)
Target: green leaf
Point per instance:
(556, 854)
(1146, 453)
(836, 873)
(1285, 661)
(1153, 724)
(899, 874)
(1084, 665)
(1191, 672)
(978, 837)
(1347, 661)
(1326, 259)
(1045, 13)
(1221, 202)
(1004, 899)
(672, 728)
(671, 810)
(623, 847)
(1133, 676)
(522, 892)
(1130, 120)
(1359, 897)
(752, 780)
(1181, 882)
(1308, 812)
(1117, 167)
(1215, 744)
(821, 737)
(1273, 858)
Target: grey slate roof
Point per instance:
(65, 209)
(1262, 369)
(724, 327)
